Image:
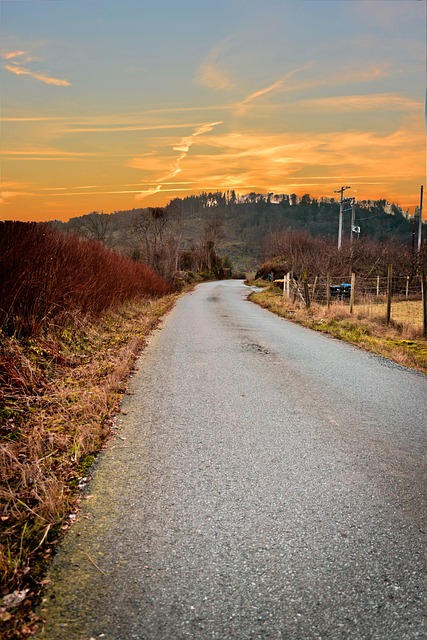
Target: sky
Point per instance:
(118, 104)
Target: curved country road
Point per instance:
(269, 482)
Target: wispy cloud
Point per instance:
(54, 188)
(286, 84)
(275, 86)
(347, 76)
(262, 92)
(209, 74)
(95, 193)
(18, 69)
(283, 162)
(23, 71)
(10, 55)
(15, 189)
(11, 189)
(121, 121)
(130, 127)
(365, 102)
(50, 155)
(34, 119)
(183, 148)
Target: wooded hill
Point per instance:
(187, 231)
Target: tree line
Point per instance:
(213, 231)
(377, 219)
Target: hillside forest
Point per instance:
(219, 234)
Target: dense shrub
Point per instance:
(46, 275)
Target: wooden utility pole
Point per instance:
(341, 192)
(420, 220)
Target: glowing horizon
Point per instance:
(263, 100)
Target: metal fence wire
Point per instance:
(372, 290)
(398, 298)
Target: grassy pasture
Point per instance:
(406, 312)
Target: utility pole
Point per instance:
(353, 230)
(353, 215)
(420, 220)
(341, 192)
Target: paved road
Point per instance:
(270, 484)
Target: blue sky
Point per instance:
(118, 104)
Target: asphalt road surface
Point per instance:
(268, 482)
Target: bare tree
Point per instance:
(96, 226)
(212, 236)
(155, 237)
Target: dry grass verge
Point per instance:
(58, 394)
(399, 341)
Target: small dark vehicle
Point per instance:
(341, 291)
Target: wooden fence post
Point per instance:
(313, 292)
(352, 291)
(306, 291)
(378, 285)
(424, 299)
(389, 291)
(407, 286)
(328, 290)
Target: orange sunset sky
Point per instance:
(111, 105)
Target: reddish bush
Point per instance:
(299, 252)
(46, 275)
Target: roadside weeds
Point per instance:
(59, 393)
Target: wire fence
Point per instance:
(401, 299)
(373, 290)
